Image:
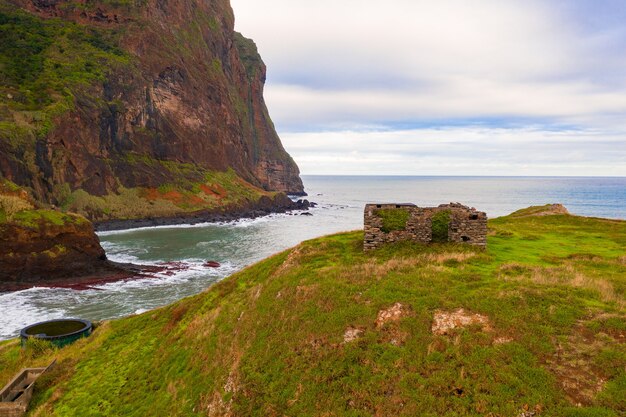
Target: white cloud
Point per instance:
(464, 99)
(341, 65)
(460, 151)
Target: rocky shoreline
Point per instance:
(263, 207)
(46, 248)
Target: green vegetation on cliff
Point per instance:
(325, 329)
(249, 55)
(44, 64)
(18, 208)
(39, 245)
(188, 189)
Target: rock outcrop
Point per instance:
(113, 96)
(46, 245)
(41, 246)
(545, 210)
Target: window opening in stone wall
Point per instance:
(474, 217)
(465, 238)
(393, 219)
(440, 226)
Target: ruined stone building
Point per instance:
(454, 222)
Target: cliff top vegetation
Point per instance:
(533, 324)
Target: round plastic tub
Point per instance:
(60, 332)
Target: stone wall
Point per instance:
(467, 225)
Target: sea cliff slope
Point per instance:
(135, 103)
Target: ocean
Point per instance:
(236, 245)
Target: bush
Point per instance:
(393, 219)
(441, 222)
(11, 204)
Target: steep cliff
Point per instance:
(153, 105)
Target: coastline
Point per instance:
(106, 272)
(103, 270)
(262, 207)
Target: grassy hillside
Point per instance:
(185, 189)
(326, 330)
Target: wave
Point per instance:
(19, 309)
(243, 222)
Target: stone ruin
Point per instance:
(388, 223)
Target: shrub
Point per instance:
(393, 219)
(12, 204)
(440, 224)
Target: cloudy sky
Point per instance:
(446, 87)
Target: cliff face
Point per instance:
(44, 245)
(133, 94)
(39, 245)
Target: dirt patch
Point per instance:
(527, 411)
(220, 402)
(213, 191)
(351, 334)
(445, 322)
(500, 340)
(392, 314)
(387, 322)
(573, 363)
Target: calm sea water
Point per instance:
(238, 244)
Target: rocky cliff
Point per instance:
(45, 246)
(156, 104)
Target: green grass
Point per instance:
(18, 208)
(270, 339)
(440, 226)
(42, 217)
(190, 189)
(249, 54)
(393, 219)
(44, 64)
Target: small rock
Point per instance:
(445, 321)
(211, 264)
(502, 340)
(351, 334)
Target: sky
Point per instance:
(446, 87)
